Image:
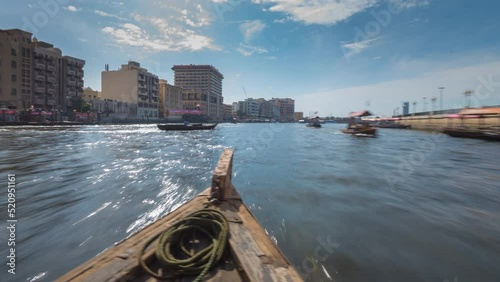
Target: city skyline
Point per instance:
(329, 56)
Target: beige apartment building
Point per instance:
(90, 94)
(265, 108)
(201, 89)
(286, 108)
(35, 75)
(170, 98)
(72, 80)
(228, 112)
(133, 84)
(47, 76)
(15, 69)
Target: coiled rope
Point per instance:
(208, 223)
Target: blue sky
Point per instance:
(331, 56)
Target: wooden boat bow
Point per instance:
(250, 256)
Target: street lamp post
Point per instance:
(424, 103)
(433, 102)
(441, 90)
(467, 94)
(414, 107)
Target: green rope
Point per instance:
(208, 223)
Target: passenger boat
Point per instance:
(359, 129)
(314, 122)
(193, 126)
(462, 132)
(248, 254)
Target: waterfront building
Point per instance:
(72, 81)
(113, 110)
(201, 89)
(39, 76)
(90, 94)
(298, 116)
(135, 85)
(284, 109)
(170, 98)
(265, 108)
(236, 108)
(228, 112)
(15, 69)
(47, 76)
(250, 108)
(406, 108)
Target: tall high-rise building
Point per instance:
(15, 69)
(133, 84)
(201, 89)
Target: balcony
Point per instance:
(39, 88)
(51, 67)
(39, 76)
(142, 78)
(72, 93)
(71, 82)
(71, 72)
(38, 101)
(79, 83)
(39, 64)
(80, 73)
(51, 102)
(51, 90)
(51, 79)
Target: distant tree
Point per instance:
(80, 104)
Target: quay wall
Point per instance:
(439, 122)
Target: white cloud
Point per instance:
(248, 50)
(250, 29)
(327, 12)
(163, 36)
(330, 12)
(408, 4)
(104, 14)
(72, 9)
(353, 48)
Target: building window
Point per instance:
(13, 52)
(23, 51)
(28, 53)
(13, 64)
(14, 78)
(13, 92)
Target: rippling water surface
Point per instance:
(405, 206)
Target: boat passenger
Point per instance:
(186, 122)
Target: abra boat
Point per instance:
(463, 132)
(314, 122)
(241, 249)
(193, 126)
(359, 129)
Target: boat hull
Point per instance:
(314, 125)
(177, 127)
(250, 254)
(356, 131)
(474, 134)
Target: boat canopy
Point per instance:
(360, 114)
